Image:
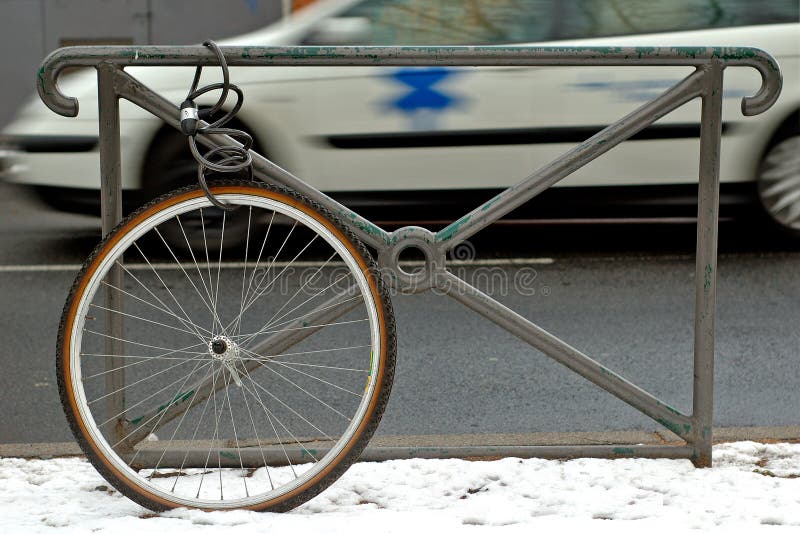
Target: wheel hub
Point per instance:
(222, 348)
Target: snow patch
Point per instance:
(752, 487)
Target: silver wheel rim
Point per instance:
(93, 288)
(779, 182)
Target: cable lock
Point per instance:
(224, 158)
(190, 117)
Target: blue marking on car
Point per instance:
(252, 5)
(423, 95)
(425, 103)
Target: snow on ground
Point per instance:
(752, 487)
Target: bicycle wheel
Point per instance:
(234, 377)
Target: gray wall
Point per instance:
(30, 29)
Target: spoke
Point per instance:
(301, 328)
(316, 310)
(280, 274)
(168, 312)
(141, 359)
(271, 416)
(143, 379)
(219, 270)
(312, 425)
(162, 410)
(312, 297)
(197, 427)
(278, 438)
(187, 322)
(194, 259)
(216, 437)
(327, 367)
(208, 264)
(142, 319)
(164, 284)
(301, 388)
(314, 377)
(189, 278)
(180, 421)
(255, 431)
(262, 359)
(272, 262)
(127, 341)
(213, 439)
(255, 268)
(256, 295)
(136, 357)
(172, 399)
(244, 268)
(127, 408)
(302, 287)
(271, 323)
(235, 435)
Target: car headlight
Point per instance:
(9, 164)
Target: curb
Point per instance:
(475, 445)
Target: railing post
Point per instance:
(706, 264)
(111, 214)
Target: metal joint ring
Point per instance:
(411, 281)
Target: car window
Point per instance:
(443, 22)
(600, 18)
(454, 22)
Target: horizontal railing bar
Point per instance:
(123, 56)
(275, 456)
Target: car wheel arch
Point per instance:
(790, 124)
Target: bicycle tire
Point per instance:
(290, 387)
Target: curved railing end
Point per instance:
(771, 78)
(47, 84)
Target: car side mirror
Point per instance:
(340, 31)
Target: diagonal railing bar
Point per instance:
(572, 160)
(136, 92)
(569, 356)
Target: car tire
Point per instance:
(779, 179)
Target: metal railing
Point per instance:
(705, 82)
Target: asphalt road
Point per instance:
(624, 295)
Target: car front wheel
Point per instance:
(779, 182)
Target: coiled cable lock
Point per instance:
(223, 158)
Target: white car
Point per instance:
(420, 143)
